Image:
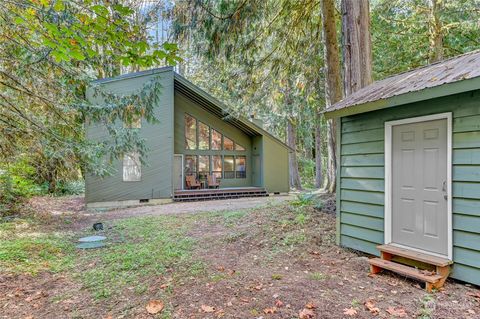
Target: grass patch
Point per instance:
(24, 251)
(317, 276)
(148, 247)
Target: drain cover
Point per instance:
(90, 239)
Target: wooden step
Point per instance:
(404, 270)
(414, 255)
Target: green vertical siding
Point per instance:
(156, 180)
(362, 178)
(275, 166)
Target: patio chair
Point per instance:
(212, 181)
(192, 182)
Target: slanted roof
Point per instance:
(451, 76)
(203, 99)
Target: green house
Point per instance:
(195, 139)
(409, 164)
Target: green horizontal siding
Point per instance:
(362, 178)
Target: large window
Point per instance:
(191, 165)
(229, 166)
(217, 166)
(203, 166)
(227, 144)
(240, 166)
(216, 140)
(203, 136)
(132, 168)
(190, 132)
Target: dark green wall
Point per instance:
(362, 178)
(156, 179)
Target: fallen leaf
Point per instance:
(278, 303)
(370, 305)
(471, 311)
(306, 314)
(310, 305)
(164, 286)
(220, 268)
(206, 308)
(427, 272)
(154, 306)
(270, 310)
(397, 312)
(349, 312)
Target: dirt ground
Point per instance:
(263, 258)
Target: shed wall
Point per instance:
(362, 178)
(156, 181)
(275, 166)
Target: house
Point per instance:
(409, 166)
(195, 139)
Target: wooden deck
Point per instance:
(221, 193)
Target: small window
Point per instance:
(227, 144)
(240, 166)
(229, 166)
(203, 136)
(239, 147)
(217, 166)
(191, 165)
(190, 132)
(216, 140)
(132, 168)
(203, 165)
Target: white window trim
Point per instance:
(388, 177)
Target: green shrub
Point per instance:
(70, 188)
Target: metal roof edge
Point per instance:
(133, 75)
(195, 89)
(407, 98)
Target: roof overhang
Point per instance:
(407, 98)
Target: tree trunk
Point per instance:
(293, 162)
(357, 51)
(318, 155)
(436, 33)
(333, 85)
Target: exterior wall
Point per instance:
(156, 180)
(275, 166)
(185, 105)
(362, 178)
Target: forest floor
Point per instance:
(274, 259)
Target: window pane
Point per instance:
(203, 136)
(190, 165)
(240, 163)
(228, 166)
(132, 168)
(216, 140)
(190, 132)
(217, 166)
(227, 144)
(203, 166)
(239, 147)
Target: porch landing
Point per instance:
(221, 193)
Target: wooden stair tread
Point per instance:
(404, 270)
(414, 255)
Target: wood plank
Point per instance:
(466, 223)
(466, 273)
(466, 240)
(365, 160)
(469, 156)
(362, 221)
(467, 257)
(466, 140)
(370, 235)
(466, 206)
(363, 136)
(362, 209)
(365, 172)
(363, 148)
(466, 123)
(425, 258)
(362, 196)
(374, 185)
(466, 173)
(466, 190)
(359, 244)
(404, 270)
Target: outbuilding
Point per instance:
(409, 165)
(197, 150)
